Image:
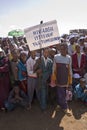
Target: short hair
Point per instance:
(45, 49)
(64, 45)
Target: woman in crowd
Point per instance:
(13, 64)
(4, 78)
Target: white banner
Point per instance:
(42, 35)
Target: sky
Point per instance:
(20, 14)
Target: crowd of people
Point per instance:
(53, 74)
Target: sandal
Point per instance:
(68, 112)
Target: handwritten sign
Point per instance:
(42, 35)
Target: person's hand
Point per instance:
(17, 97)
(69, 87)
(24, 73)
(39, 60)
(16, 69)
(85, 91)
(36, 65)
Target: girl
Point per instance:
(22, 71)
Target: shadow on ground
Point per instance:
(78, 109)
(35, 119)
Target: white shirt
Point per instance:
(71, 49)
(30, 64)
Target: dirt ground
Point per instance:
(35, 119)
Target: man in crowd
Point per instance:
(78, 61)
(62, 75)
(45, 69)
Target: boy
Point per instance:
(80, 91)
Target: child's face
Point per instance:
(82, 83)
(77, 48)
(23, 57)
(16, 91)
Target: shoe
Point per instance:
(3, 109)
(54, 112)
(57, 108)
(68, 112)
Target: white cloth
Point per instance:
(45, 60)
(79, 59)
(70, 49)
(1, 49)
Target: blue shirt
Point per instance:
(21, 68)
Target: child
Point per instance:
(16, 98)
(80, 91)
(22, 71)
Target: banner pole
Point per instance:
(41, 22)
